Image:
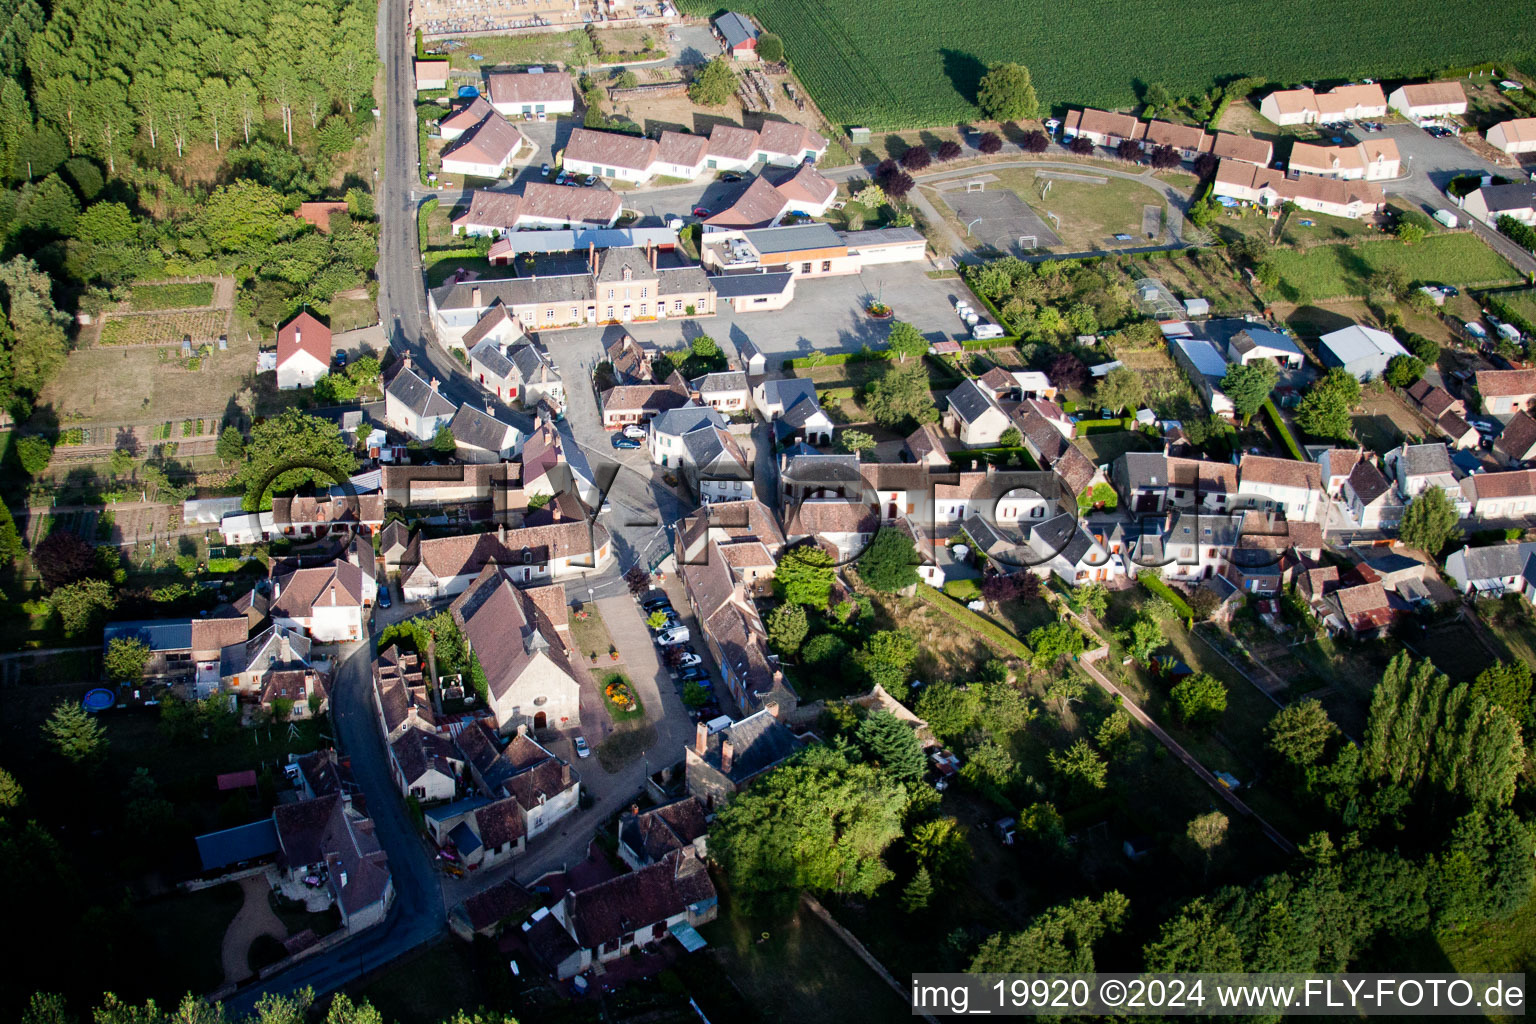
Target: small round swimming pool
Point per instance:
(99, 699)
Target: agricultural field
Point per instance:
(912, 63)
(143, 298)
(1335, 271)
(163, 328)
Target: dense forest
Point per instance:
(171, 139)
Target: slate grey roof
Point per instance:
(734, 286)
(817, 468)
(710, 451)
(515, 291)
(789, 390)
(531, 364)
(970, 402)
(880, 236)
(1496, 561)
(685, 419)
(802, 412)
(1145, 470)
(758, 742)
(274, 647)
(1505, 198)
(476, 429)
(769, 241)
(417, 395)
(713, 383)
(735, 28)
(682, 280)
(489, 355)
(1426, 459)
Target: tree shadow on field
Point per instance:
(964, 71)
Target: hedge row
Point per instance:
(963, 615)
(1283, 430)
(1106, 426)
(1154, 585)
(987, 344)
(1507, 312)
(1522, 235)
(861, 356)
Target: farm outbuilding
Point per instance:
(738, 35)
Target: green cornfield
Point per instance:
(916, 63)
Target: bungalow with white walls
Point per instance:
(530, 93)
(1429, 99)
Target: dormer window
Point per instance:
(628, 274)
(527, 556)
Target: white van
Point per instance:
(1446, 217)
(672, 637)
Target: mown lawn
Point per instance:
(1335, 271)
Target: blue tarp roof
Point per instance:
(688, 935)
(159, 634)
(463, 838)
(233, 845)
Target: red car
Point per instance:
(701, 211)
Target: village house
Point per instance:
(491, 492)
(480, 437)
(843, 527)
(431, 75)
(1371, 160)
(606, 921)
(628, 404)
(1205, 366)
(542, 205)
(613, 155)
(1242, 148)
(1489, 203)
(1270, 550)
(1364, 607)
(1315, 194)
(524, 790)
(1189, 548)
(325, 839)
(621, 285)
(630, 361)
(303, 352)
(1490, 570)
(425, 766)
(1457, 432)
(247, 666)
(415, 407)
(1254, 343)
(1417, 467)
(485, 150)
(1426, 100)
(726, 392)
(329, 602)
(746, 534)
(1513, 137)
(182, 649)
(1335, 465)
(1506, 391)
(304, 516)
(465, 117)
(1516, 445)
(527, 94)
(1305, 106)
(807, 193)
(488, 362)
(1295, 489)
(974, 416)
(521, 639)
(445, 566)
(646, 837)
(725, 757)
(1507, 495)
(1101, 127)
(400, 695)
(715, 467)
(925, 445)
(1368, 499)
(1433, 401)
(664, 438)
(1151, 483)
(793, 401)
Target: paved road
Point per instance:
(418, 915)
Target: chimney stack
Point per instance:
(654, 250)
(772, 705)
(522, 728)
(501, 533)
(405, 360)
(434, 383)
(474, 296)
(700, 739)
(727, 754)
(554, 510)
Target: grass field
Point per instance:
(911, 63)
(1333, 271)
(1090, 213)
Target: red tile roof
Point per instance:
(304, 334)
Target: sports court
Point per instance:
(1005, 223)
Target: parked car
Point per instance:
(589, 181)
(582, 750)
(384, 599)
(730, 176)
(340, 359)
(690, 660)
(635, 430)
(696, 674)
(675, 635)
(625, 443)
(544, 170)
(560, 178)
(701, 211)
(650, 604)
(672, 621)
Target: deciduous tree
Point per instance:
(1122, 388)
(787, 627)
(905, 341)
(887, 660)
(901, 397)
(1007, 93)
(714, 84)
(989, 143)
(805, 575)
(125, 659)
(1429, 522)
(1249, 385)
(1200, 699)
(1061, 940)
